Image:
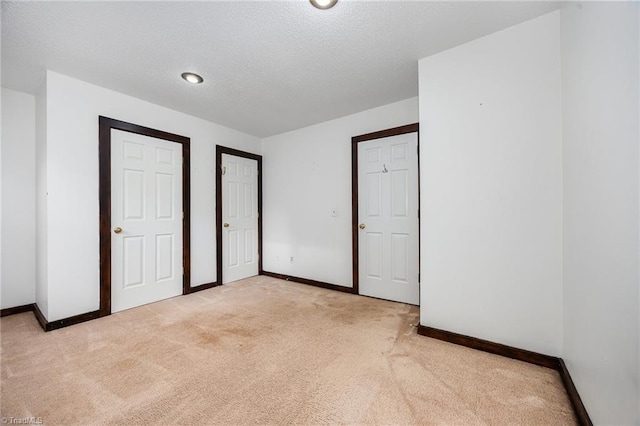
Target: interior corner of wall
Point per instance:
(41, 295)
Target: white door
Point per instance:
(146, 220)
(388, 218)
(239, 218)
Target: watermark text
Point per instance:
(21, 420)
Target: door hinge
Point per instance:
(224, 170)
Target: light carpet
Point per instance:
(265, 351)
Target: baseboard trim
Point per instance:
(33, 307)
(53, 325)
(16, 310)
(40, 317)
(308, 282)
(491, 347)
(76, 319)
(548, 361)
(578, 407)
(202, 287)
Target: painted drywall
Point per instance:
(18, 199)
(491, 175)
(307, 177)
(42, 288)
(72, 114)
(600, 144)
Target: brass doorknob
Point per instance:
(117, 230)
(226, 225)
(362, 226)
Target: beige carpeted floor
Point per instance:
(265, 351)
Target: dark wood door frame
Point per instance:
(409, 128)
(230, 151)
(105, 127)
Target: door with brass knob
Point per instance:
(146, 199)
(388, 218)
(239, 218)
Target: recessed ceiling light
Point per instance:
(192, 78)
(323, 4)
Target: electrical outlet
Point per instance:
(291, 259)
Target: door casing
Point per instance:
(104, 147)
(220, 150)
(409, 128)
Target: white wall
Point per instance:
(601, 288)
(491, 175)
(18, 199)
(307, 174)
(72, 112)
(42, 288)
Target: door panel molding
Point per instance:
(104, 148)
(220, 150)
(401, 130)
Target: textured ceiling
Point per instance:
(269, 66)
